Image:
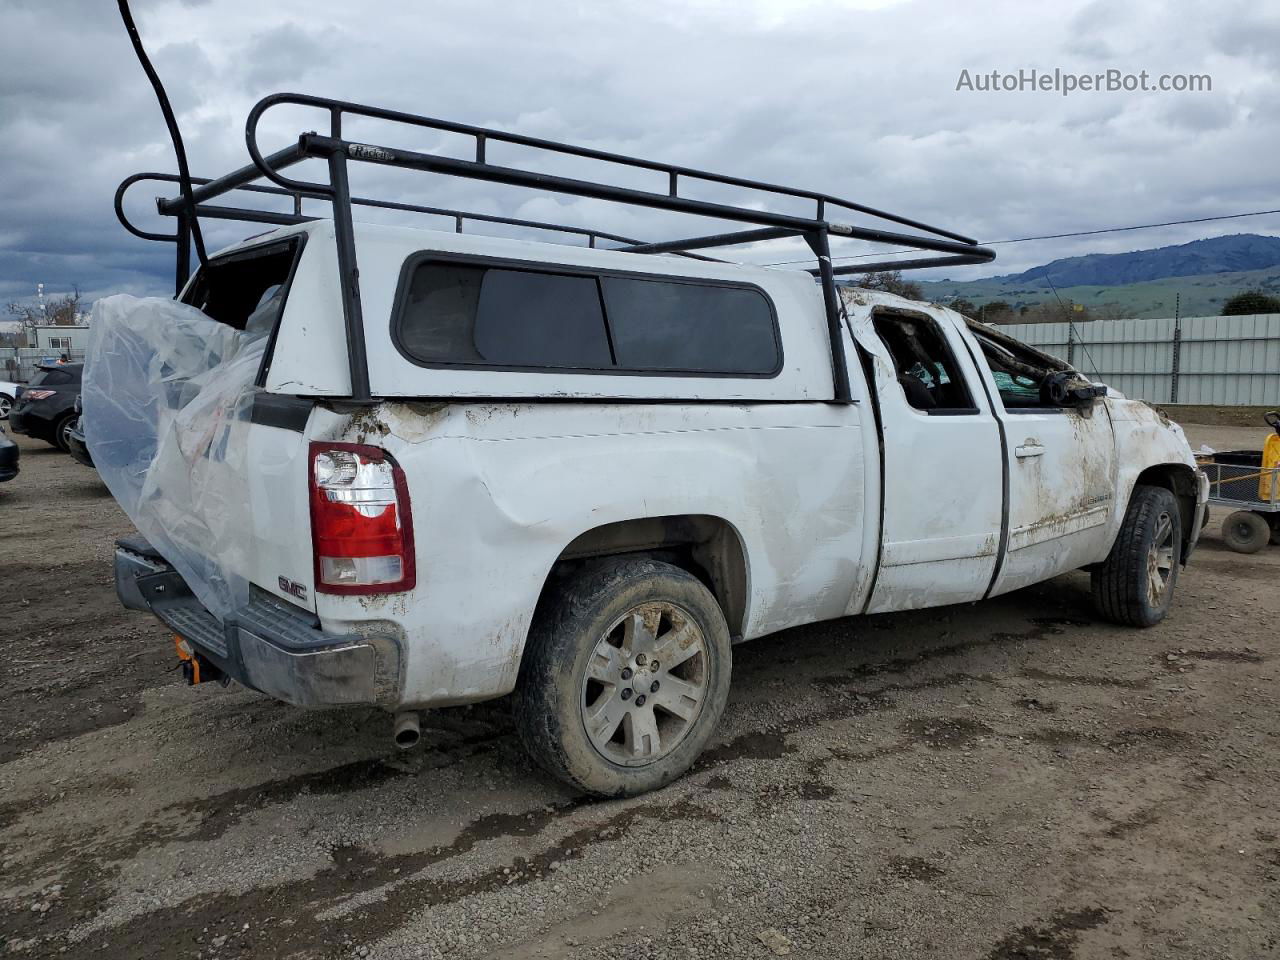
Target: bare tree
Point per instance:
(60, 311)
(890, 281)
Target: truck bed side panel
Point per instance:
(499, 490)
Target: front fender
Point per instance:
(1152, 448)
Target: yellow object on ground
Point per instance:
(1269, 482)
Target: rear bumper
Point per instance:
(20, 423)
(268, 646)
(37, 419)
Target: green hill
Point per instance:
(1199, 295)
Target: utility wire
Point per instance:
(1050, 236)
(1071, 325)
(171, 122)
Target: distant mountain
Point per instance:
(1233, 254)
(1194, 278)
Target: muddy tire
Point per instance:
(1134, 585)
(1246, 532)
(624, 677)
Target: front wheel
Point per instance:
(624, 678)
(6, 404)
(1134, 585)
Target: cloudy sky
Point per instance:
(854, 97)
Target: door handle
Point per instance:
(1028, 450)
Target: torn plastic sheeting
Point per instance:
(166, 395)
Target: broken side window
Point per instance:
(1025, 378)
(924, 364)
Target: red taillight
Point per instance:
(361, 530)
(37, 394)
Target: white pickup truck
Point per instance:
(580, 475)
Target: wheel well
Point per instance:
(705, 546)
(1180, 480)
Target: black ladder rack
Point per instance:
(953, 248)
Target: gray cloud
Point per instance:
(856, 98)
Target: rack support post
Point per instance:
(819, 242)
(349, 271)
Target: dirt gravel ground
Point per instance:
(1002, 781)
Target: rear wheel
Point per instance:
(6, 404)
(1134, 585)
(1246, 532)
(624, 677)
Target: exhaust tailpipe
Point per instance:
(406, 732)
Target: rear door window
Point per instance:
(925, 366)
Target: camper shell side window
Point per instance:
(461, 311)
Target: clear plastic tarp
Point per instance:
(166, 400)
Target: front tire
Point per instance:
(1134, 585)
(6, 404)
(624, 677)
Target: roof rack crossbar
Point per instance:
(917, 264)
(247, 215)
(232, 181)
(176, 207)
(714, 240)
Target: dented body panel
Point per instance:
(500, 490)
(794, 509)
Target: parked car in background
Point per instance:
(8, 395)
(77, 446)
(8, 457)
(46, 407)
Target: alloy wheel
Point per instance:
(645, 684)
(1160, 560)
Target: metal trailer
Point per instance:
(1248, 483)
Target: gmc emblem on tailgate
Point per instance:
(291, 588)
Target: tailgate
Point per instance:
(210, 469)
(279, 528)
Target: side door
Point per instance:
(943, 471)
(1061, 463)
